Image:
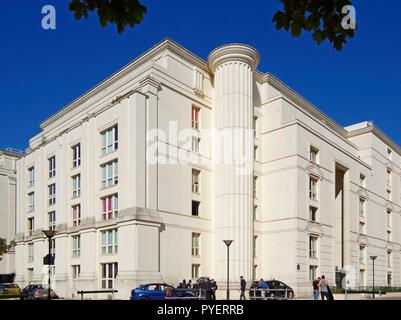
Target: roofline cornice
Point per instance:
(166, 44)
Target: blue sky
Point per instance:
(42, 71)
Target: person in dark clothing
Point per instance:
(243, 288)
(207, 287)
(195, 288)
(189, 284)
(213, 286)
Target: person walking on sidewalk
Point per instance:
(243, 288)
(316, 288)
(324, 288)
(213, 285)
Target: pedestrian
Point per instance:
(189, 284)
(324, 288)
(243, 288)
(208, 289)
(264, 287)
(213, 286)
(195, 288)
(316, 286)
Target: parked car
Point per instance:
(9, 290)
(279, 290)
(158, 291)
(37, 292)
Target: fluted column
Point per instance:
(233, 66)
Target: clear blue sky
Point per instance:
(42, 71)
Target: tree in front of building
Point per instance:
(4, 247)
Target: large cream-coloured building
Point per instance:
(146, 174)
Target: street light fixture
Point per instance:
(228, 244)
(49, 234)
(373, 259)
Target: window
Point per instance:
(312, 247)
(52, 167)
(389, 236)
(195, 144)
(362, 205)
(389, 153)
(31, 202)
(195, 117)
(53, 247)
(76, 246)
(255, 187)
(110, 241)
(110, 207)
(31, 226)
(313, 155)
(195, 244)
(195, 271)
(362, 277)
(388, 218)
(30, 275)
(31, 177)
(389, 259)
(255, 126)
(195, 208)
(388, 178)
(255, 153)
(313, 188)
(255, 246)
(31, 252)
(389, 195)
(362, 181)
(312, 273)
(110, 174)
(109, 140)
(76, 186)
(312, 213)
(76, 155)
(255, 212)
(362, 255)
(52, 194)
(52, 220)
(76, 215)
(195, 181)
(362, 227)
(389, 279)
(109, 274)
(76, 271)
(255, 272)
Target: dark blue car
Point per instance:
(159, 291)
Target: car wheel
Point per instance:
(143, 298)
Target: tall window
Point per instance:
(388, 178)
(31, 226)
(195, 208)
(389, 153)
(255, 153)
(31, 252)
(76, 272)
(255, 212)
(255, 127)
(389, 279)
(53, 247)
(388, 235)
(110, 174)
(109, 274)
(76, 215)
(313, 247)
(313, 155)
(76, 155)
(388, 217)
(195, 117)
(52, 220)
(389, 259)
(312, 273)
(362, 277)
(195, 181)
(362, 254)
(312, 213)
(109, 140)
(76, 246)
(255, 246)
(195, 244)
(389, 195)
(52, 194)
(195, 271)
(195, 144)
(52, 167)
(362, 227)
(110, 207)
(31, 177)
(31, 202)
(110, 241)
(313, 188)
(76, 186)
(255, 187)
(362, 206)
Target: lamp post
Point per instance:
(373, 259)
(228, 244)
(49, 234)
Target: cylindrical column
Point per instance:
(233, 66)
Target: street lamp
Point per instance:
(373, 259)
(49, 234)
(228, 244)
